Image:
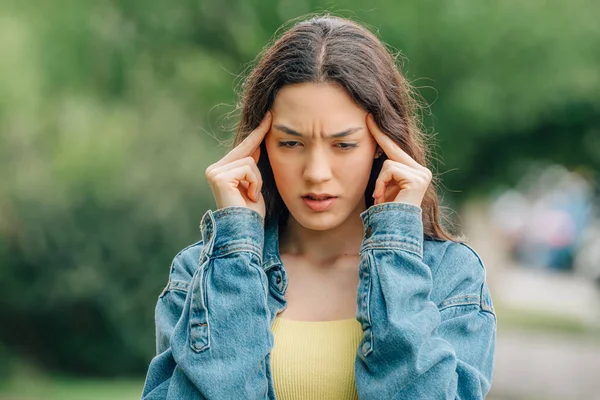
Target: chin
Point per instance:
(319, 224)
(318, 221)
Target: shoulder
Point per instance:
(184, 265)
(458, 274)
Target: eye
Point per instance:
(346, 146)
(292, 144)
(288, 144)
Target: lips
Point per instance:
(318, 196)
(319, 205)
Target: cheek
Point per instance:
(356, 170)
(278, 167)
(275, 159)
(359, 162)
(283, 170)
(274, 156)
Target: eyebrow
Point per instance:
(292, 132)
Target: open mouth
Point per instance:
(322, 198)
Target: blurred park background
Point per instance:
(111, 110)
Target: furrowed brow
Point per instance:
(292, 132)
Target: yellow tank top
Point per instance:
(315, 359)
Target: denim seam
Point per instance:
(399, 205)
(387, 242)
(203, 307)
(174, 285)
(199, 243)
(369, 292)
(178, 285)
(460, 300)
(369, 288)
(488, 310)
(489, 307)
(479, 308)
(236, 248)
(204, 284)
(238, 210)
(476, 255)
(415, 249)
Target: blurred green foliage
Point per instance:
(20, 387)
(111, 110)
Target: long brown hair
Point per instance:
(326, 48)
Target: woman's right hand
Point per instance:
(235, 179)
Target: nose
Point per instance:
(317, 168)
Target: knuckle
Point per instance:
(209, 172)
(427, 172)
(248, 169)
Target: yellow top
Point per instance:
(315, 359)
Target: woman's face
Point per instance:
(305, 158)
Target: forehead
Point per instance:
(311, 103)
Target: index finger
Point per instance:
(250, 143)
(390, 148)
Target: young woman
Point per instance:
(324, 272)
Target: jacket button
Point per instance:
(278, 280)
(369, 231)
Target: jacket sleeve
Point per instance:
(212, 323)
(414, 347)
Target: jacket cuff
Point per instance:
(393, 225)
(232, 229)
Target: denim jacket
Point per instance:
(429, 326)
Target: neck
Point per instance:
(323, 247)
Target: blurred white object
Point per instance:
(587, 260)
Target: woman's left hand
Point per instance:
(402, 179)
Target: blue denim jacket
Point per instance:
(429, 326)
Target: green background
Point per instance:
(110, 112)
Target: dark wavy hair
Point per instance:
(331, 49)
